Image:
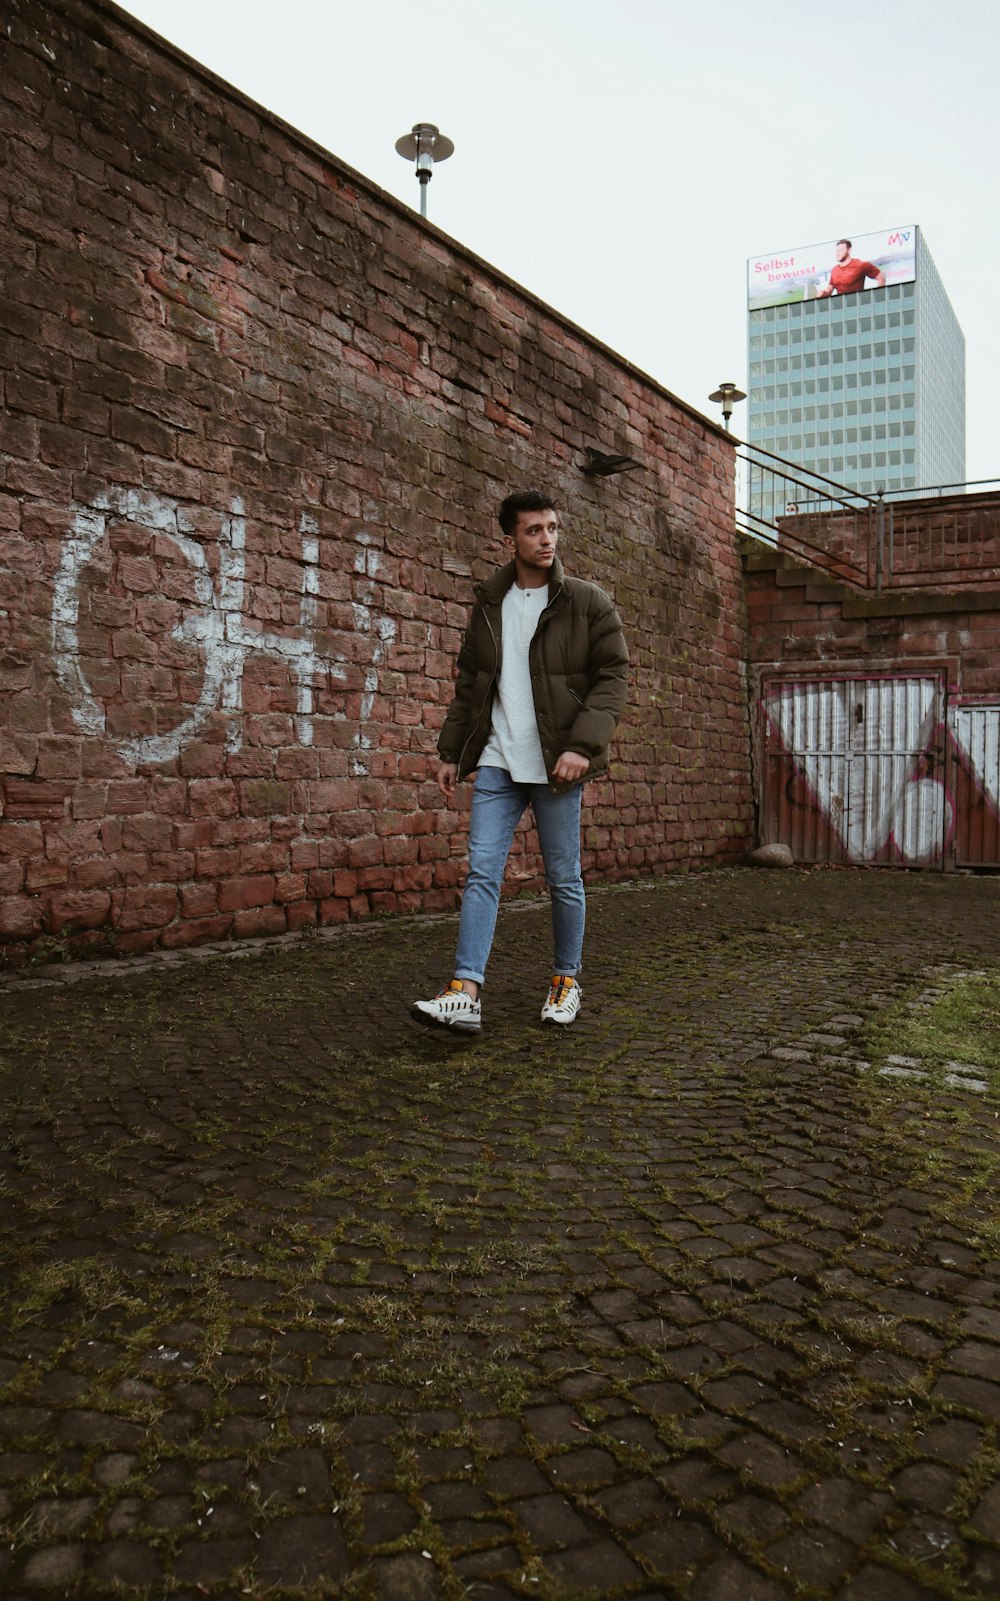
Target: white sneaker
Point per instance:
(564, 1000)
(452, 1008)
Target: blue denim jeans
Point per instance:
(498, 804)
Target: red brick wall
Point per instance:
(805, 625)
(258, 420)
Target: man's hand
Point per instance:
(447, 778)
(570, 767)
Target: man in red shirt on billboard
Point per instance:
(849, 275)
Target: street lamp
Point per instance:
(726, 396)
(424, 145)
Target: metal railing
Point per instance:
(984, 485)
(939, 535)
(830, 526)
(944, 538)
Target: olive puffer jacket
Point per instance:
(578, 663)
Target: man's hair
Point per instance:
(846, 242)
(524, 500)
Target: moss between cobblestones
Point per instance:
(253, 1210)
(942, 1132)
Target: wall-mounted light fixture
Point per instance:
(424, 145)
(602, 464)
(727, 396)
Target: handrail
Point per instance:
(844, 492)
(939, 489)
(785, 504)
(871, 540)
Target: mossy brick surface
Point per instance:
(688, 1301)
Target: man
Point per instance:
(542, 680)
(848, 276)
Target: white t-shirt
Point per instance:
(514, 743)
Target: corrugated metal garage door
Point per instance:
(854, 770)
(975, 728)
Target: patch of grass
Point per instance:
(512, 1258)
(946, 1138)
(961, 1023)
(85, 1281)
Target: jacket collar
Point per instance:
(493, 589)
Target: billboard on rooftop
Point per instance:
(852, 264)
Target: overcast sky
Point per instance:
(622, 158)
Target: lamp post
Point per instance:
(726, 396)
(425, 144)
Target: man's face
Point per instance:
(534, 540)
(843, 250)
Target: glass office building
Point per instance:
(865, 387)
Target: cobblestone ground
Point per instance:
(686, 1302)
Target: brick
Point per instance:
(199, 900)
(34, 798)
(145, 907)
(302, 914)
(201, 760)
(263, 797)
(21, 917)
(212, 798)
(195, 931)
(12, 877)
(18, 754)
(147, 833)
(78, 909)
(41, 875)
(240, 894)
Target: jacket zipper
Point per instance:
(496, 653)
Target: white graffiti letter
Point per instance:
(217, 629)
(89, 527)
